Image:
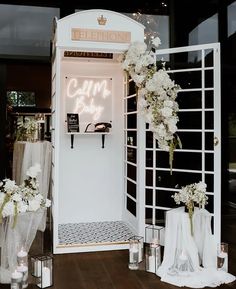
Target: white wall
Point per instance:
(91, 178)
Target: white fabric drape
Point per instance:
(13, 239)
(25, 155)
(184, 253)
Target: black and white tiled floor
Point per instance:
(94, 232)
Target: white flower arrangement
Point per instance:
(26, 197)
(156, 94)
(192, 194)
(26, 129)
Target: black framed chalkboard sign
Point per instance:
(73, 122)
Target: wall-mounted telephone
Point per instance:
(102, 126)
(99, 127)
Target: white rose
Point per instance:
(48, 203)
(9, 185)
(166, 111)
(22, 207)
(34, 205)
(156, 41)
(201, 186)
(16, 197)
(168, 103)
(33, 171)
(2, 196)
(8, 209)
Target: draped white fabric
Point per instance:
(13, 239)
(184, 254)
(25, 155)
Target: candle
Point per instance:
(183, 256)
(22, 257)
(151, 264)
(134, 254)
(16, 280)
(222, 261)
(37, 268)
(46, 277)
(140, 251)
(24, 270)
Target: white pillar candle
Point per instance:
(37, 268)
(222, 261)
(16, 280)
(151, 264)
(46, 277)
(183, 256)
(140, 251)
(134, 253)
(22, 257)
(24, 270)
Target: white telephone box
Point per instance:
(88, 84)
(109, 179)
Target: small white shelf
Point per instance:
(72, 134)
(88, 133)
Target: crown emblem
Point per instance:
(102, 20)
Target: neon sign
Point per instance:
(90, 97)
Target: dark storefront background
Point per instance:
(25, 37)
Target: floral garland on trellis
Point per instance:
(156, 94)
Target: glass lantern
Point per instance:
(153, 234)
(16, 280)
(222, 257)
(152, 257)
(42, 269)
(135, 252)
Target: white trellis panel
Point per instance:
(197, 70)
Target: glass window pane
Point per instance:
(148, 216)
(190, 120)
(177, 179)
(132, 104)
(131, 155)
(191, 140)
(182, 160)
(149, 178)
(132, 138)
(131, 172)
(149, 197)
(189, 100)
(209, 99)
(131, 189)
(132, 121)
(149, 139)
(149, 159)
(131, 206)
(25, 30)
(160, 217)
(189, 79)
(164, 199)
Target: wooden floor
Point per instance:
(109, 270)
